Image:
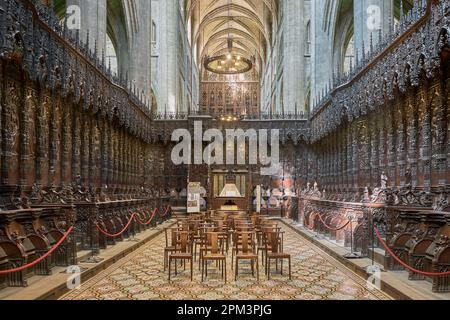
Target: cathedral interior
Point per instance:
(104, 197)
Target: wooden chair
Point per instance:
(246, 251)
(204, 242)
(194, 229)
(263, 244)
(171, 240)
(183, 252)
(224, 233)
(274, 253)
(215, 254)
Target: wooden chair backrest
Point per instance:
(273, 240)
(247, 245)
(244, 229)
(184, 242)
(220, 224)
(213, 242)
(269, 223)
(183, 225)
(267, 229)
(194, 226)
(171, 236)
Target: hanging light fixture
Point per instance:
(229, 63)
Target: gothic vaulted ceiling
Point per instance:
(248, 22)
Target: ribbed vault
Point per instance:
(248, 22)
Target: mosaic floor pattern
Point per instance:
(315, 276)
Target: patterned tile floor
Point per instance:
(140, 276)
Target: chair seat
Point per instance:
(279, 255)
(181, 256)
(214, 257)
(247, 256)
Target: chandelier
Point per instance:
(228, 64)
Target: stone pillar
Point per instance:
(93, 19)
(140, 53)
(294, 54)
(371, 16)
(167, 20)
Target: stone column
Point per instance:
(167, 20)
(371, 16)
(294, 54)
(93, 19)
(140, 53)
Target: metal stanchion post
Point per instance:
(352, 254)
(317, 235)
(133, 236)
(373, 268)
(93, 259)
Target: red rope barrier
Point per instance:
(330, 228)
(119, 233)
(428, 274)
(35, 262)
(146, 223)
